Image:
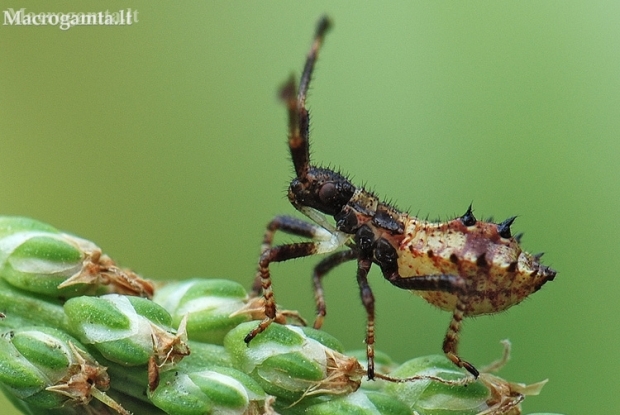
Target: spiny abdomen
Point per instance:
(497, 272)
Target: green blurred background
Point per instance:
(164, 143)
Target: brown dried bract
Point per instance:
(343, 376)
(153, 374)
(100, 270)
(170, 348)
(86, 379)
(506, 397)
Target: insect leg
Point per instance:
(453, 284)
(290, 225)
(368, 300)
(451, 340)
(322, 268)
(276, 254)
(324, 242)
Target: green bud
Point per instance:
(13, 224)
(40, 259)
(205, 355)
(46, 368)
(209, 305)
(291, 362)
(28, 409)
(443, 389)
(132, 382)
(126, 330)
(22, 309)
(360, 402)
(427, 396)
(216, 390)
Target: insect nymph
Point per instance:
(465, 266)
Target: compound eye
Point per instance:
(328, 193)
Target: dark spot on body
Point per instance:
(385, 220)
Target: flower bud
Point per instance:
(208, 305)
(292, 362)
(38, 258)
(126, 330)
(428, 396)
(448, 390)
(216, 390)
(46, 368)
(361, 402)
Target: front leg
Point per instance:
(276, 254)
(324, 242)
(292, 226)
